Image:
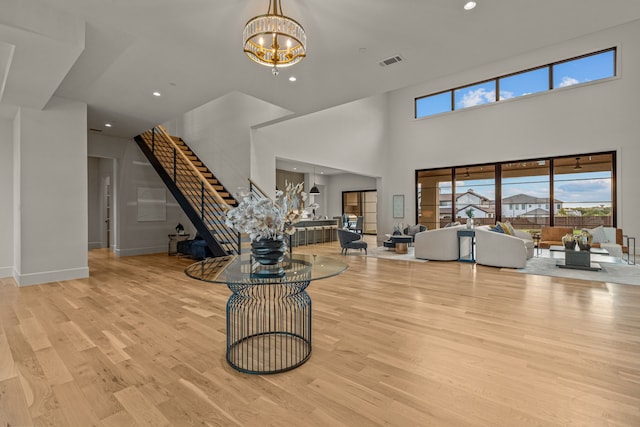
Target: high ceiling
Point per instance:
(114, 54)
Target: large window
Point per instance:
(582, 69)
(524, 83)
(477, 94)
(583, 191)
(574, 191)
(526, 193)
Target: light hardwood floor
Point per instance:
(395, 343)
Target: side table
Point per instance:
(629, 240)
(467, 237)
(173, 242)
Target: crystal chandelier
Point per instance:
(273, 39)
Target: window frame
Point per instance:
(549, 165)
(496, 80)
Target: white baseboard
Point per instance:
(95, 245)
(50, 276)
(6, 272)
(141, 251)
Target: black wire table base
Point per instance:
(268, 325)
(269, 310)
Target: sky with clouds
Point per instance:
(577, 71)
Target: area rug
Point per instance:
(382, 252)
(611, 272)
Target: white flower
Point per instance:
(266, 218)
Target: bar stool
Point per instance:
(315, 229)
(299, 231)
(330, 228)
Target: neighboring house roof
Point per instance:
(525, 198)
(536, 212)
(483, 208)
(446, 197)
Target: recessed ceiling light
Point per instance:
(469, 5)
(292, 79)
(108, 125)
(157, 94)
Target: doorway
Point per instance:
(362, 203)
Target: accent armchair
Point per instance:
(351, 240)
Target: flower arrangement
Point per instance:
(265, 218)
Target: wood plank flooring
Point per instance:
(395, 343)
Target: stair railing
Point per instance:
(203, 198)
(255, 191)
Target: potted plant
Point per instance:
(267, 221)
(470, 215)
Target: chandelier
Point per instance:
(273, 39)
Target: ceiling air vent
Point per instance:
(391, 61)
(95, 130)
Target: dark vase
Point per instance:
(268, 251)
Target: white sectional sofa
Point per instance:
(492, 248)
(438, 245)
(503, 250)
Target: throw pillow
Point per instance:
(412, 230)
(498, 229)
(512, 231)
(505, 227)
(610, 233)
(598, 235)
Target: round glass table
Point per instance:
(269, 311)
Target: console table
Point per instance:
(269, 311)
(579, 260)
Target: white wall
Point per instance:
(133, 170)
(6, 197)
(50, 166)
(219, 133)
(351, 137)
(346, 182)
(376, 137)
(596, 117)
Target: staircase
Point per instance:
(202, 197)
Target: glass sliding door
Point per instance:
(361, 203)
(526, 201)
(370, 211)
(584, 191)
(576, 191)
(475, 194)
(434, 197)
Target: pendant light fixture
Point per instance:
(577, 166)
(273, 39)
(314, 189)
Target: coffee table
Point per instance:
(578, 260)
(399, 242)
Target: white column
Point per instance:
(50, 193)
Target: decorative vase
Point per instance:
(268, 251)
(568, 241)
(470, 223)
(585, 240)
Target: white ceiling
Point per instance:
(190, 50)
